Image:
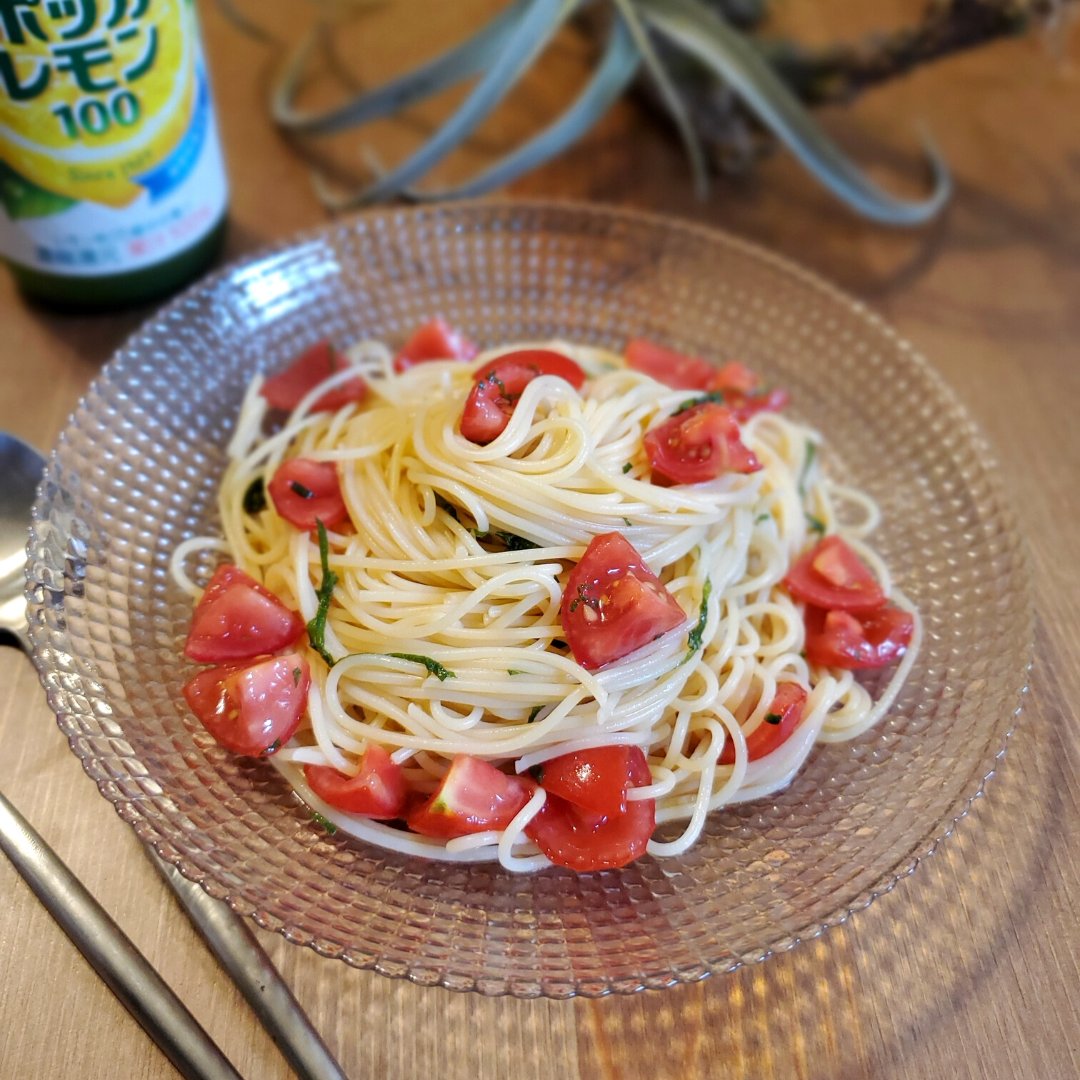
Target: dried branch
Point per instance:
(839, 73)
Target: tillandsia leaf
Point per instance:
(534, 29)
(669, 94)
(617, 69)
(703, 34)
(246, 26)
(453, 66)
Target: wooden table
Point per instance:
(968, 969)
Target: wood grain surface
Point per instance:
(968, 969)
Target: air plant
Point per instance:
(677, 47)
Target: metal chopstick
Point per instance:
(125, 970)
(237, 948)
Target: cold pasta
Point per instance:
(545, 603)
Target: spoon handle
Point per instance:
(124, 969)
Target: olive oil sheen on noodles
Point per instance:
(112, 185)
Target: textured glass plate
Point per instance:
(135, 472)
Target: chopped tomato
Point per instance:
(737, 385)
(473, 797)
(830, 575)
(306, 492)
(499, 384)
(781, 719)
(739, 390)
(435, 340)
(743, 406)
(594, 779)
(286, 389)
(535, 362)
(697, 444)
(674, 369)
(613, 603)
(583, 840)
(238, 619)
(251, 709)
(376, 791)
(855, 641)
(733, 377)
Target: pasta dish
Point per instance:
(544, 603)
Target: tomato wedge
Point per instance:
(583, 840)
(305, 492)
(473, 797)
(498, 385)
(698, 444)
(251, 709)
(674, 369)
(856, 641)
(594, 779)
(238, 619)
(376, 791)
(613, 603)
(830, 575)
(286, 389)
(435, 340)
(781, 719)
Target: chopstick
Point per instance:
(237, 948)
(124, 969)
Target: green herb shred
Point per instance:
(515, 671)
(494, 379)
(328, 825)
(444, 504)
(434, 667)
(629, 523)
(317, 627)
(815, 524)
(694, 640)
(515, 542)
(534, 712)
(773, 718)
(255, 496)
(760, 518)
(301, 490)
(716, 396)
(808, 461)
(296, 675)
(627, 467)
(583, 597)
(512, 541)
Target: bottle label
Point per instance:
(109, 153)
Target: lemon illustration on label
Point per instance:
(101, 101)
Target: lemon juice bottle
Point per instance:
(112, 186)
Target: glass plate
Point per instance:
(135, 471)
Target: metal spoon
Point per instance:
(124, 969)
(20, 470)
